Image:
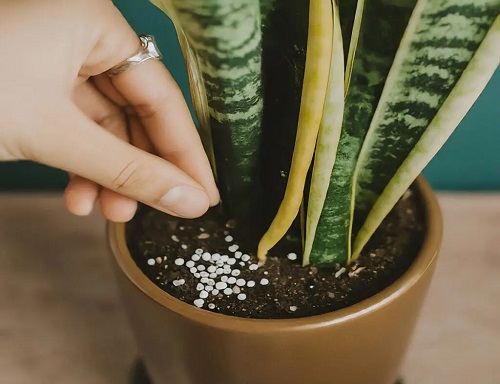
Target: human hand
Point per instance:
(123, 139)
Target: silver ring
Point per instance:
(148, 51)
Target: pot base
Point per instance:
(139, 375)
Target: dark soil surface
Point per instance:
(222, 278)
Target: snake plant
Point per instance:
(344, 102)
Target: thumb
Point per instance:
(79, 145)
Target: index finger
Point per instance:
(162, 109)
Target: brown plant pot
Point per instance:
(362, 344)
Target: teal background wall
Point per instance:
(470, 160)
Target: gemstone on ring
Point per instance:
(148, 51)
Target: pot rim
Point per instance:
(423, 261)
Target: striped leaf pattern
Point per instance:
(328, 138)
(382, 22)
(319, 53)
(226, 36)
(411, 69)
(441, 39)
(483, 63)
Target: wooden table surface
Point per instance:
(61, 321)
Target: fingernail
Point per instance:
(216, 200)
(186, 201)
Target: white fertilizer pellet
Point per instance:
(199, 302)
(233, 248)
(340, 272)
(221, 285)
